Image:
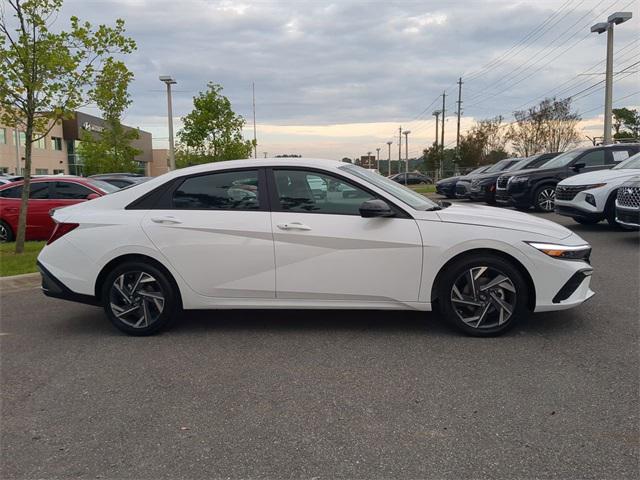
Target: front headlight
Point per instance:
(518, 179)
(564, 252)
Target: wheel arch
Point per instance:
(490, 251)
(128, 258)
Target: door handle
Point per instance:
(166, 220)
(293, 226)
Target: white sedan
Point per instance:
(276, 233)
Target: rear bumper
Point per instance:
(53, 287)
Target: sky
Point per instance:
(338, 78)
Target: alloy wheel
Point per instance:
(137, 299)
(546, 199)
(483, 297)
(4, 234)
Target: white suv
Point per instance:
(590, 197)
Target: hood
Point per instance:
(448, 180)
(600, 176)
(502, 218)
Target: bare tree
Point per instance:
(550, 126)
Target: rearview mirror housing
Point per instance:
(578, 166)
(376, 208)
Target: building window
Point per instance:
(22, 138)
(42, 171)
(56, 143)
(58, 172)
(3, 135)
(41, 143)
(4, 169)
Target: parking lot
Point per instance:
(298, 394)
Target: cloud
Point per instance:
(319, 65)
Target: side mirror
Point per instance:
(91, 196)
(578, 166)
(376, 208)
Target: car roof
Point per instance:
(56, 178)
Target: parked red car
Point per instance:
(46, 193)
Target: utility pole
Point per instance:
(389, 160)
(437, 115)
(399, 148)
(444, 95)
(368, 159)
(255, 137)
(169, 80)
(378, 159)
(406, 154)
(459, 102)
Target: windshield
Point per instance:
(517, 165)
(402, 193)
(629, 163)
(104, 186)
(562, 159)
(498, 167)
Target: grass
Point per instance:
(12, 264)
(423, 188)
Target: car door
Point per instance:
(324, 249)
(215, 230)
(39, 222)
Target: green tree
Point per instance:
(110, 150)
(484, 143)
(212, 132)
(628, 120)
(46, 73)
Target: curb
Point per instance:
(19, 282)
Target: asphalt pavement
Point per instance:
(299, 394)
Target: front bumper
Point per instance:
(574, 212)
(629, 217)
(462, 189)
(502, 197)
(575, 291)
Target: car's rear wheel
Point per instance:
(139, 298)
(6, 234)
(483, 295)
(545, 197)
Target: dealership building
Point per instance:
(56, 153)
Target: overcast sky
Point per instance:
(337, 78)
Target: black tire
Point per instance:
(585, 221)
(492, 325)
(543, 198)
(6, 234)
(145, 297)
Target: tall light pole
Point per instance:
(378, 159)
(406, 154)
(614, 19)
(368, 159)
(389, 143)
(168, 80)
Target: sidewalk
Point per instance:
(16, 283)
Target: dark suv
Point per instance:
(463, 185)
(483, 186)
(536, 187)
(447, 186)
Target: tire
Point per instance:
(585, 221)
(146, 292)
(6, 234)
(543, 199)
(486, 268)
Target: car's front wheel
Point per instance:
(139, 298)
(545, 198)
(483, 295)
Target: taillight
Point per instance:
(60, 230)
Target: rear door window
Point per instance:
(71, 191)
(219, 191)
